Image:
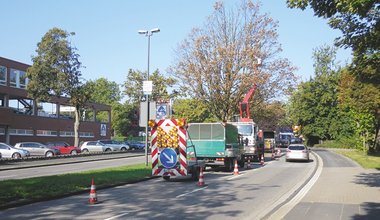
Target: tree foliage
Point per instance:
(314, 105)
(108, 93)
(218, 64)
(358, 20)
(133, 85)
(192, 110)
(56, 72)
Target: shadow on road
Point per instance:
(369, 179)
(371, 209)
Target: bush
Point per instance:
(345, 142)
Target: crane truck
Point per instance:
(248, 130)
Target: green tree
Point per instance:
(363, 100)
(218, 63)
(192, 110)
(314, 105)
(56, 72)
(108, 93)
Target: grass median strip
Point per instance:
(43, 188)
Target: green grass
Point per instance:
(365, 160)
(38, 188)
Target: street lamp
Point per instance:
(147, 34)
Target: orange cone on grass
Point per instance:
(201, 181)
(93, 197)
(236, 169)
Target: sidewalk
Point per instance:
(349, 192)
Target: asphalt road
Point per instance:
(250, 195)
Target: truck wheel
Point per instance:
(229, 164)
(167, 178)
(241, 162)
(195, 173)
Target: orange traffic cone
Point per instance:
(262, 159)
(236, 169)
(249, 164)
(93, 197)
(201, 182)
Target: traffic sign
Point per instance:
(161, 111)
(168, 157)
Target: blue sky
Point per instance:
(108, 42)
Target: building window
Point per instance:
(86, 134)
(46, 133)
(21, 132)
(18, 79)
(66, 134)
(2, 131)
(71, 134)
(3, 75)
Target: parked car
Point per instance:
(135, 145)
(95, 146)
(64, 147)
(7, 151)
(297, 152)
(37, 149)
(117, 145)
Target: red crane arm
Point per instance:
(244, 105)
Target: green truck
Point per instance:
(218, 144)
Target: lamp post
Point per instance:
(147, 34)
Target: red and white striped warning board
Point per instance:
(169, 133)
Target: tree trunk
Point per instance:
(76, 126)
(375, 145)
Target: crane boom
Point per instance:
(244, 105)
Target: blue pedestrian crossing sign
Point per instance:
(168, 157)
(161, 112)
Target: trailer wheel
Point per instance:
(167, 178)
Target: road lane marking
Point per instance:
(195, 190)
(117, 216)
(236, 176)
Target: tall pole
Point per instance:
(147, 107)
(148, 34)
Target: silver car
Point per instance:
(37, 149)
(8, 151)
(297, 152)
(95, 146)
(117, 145)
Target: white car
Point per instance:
(8, 151)
(297, 152)
(95, 146)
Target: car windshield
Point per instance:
(285, 137)
(297, 147)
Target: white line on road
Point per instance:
(235, 176)
(281, 212)
(185, 194)
(117, 216)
